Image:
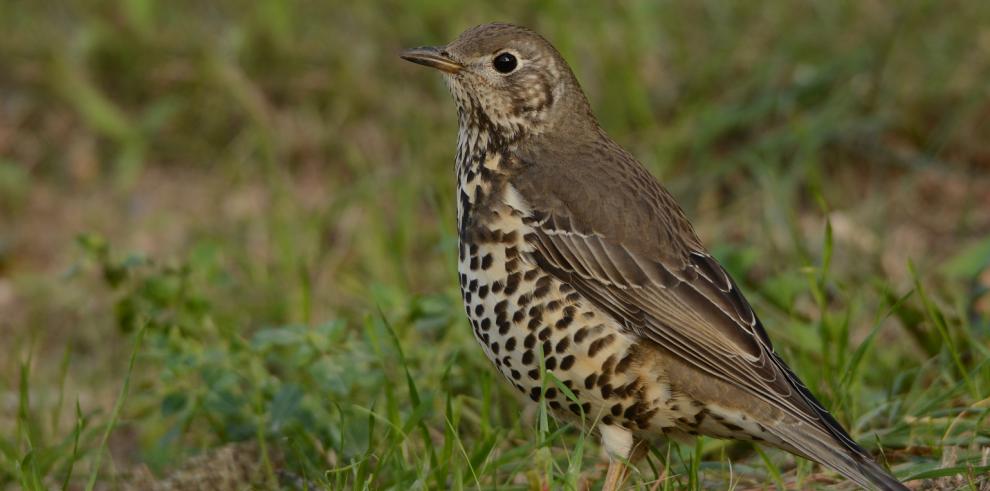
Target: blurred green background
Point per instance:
(252, 203)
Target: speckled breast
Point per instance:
(518, 313)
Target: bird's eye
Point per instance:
(504, 62)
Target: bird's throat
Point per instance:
(482, 163)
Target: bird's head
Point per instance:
(508, 77)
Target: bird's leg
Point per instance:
(618, 470)
(624, 450)
(616, 475)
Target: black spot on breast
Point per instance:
(627, 360)
(479, 309)
(501, 306)
(550, 393)
(518, 316)
(495, 348)
(534, 393)
(564, 321)
(510, 344)
(624, 390)
(600, 343)
(589, 381)
(534, 374)
(606, 391)
(523, 301)
(608, 364)
(473, 263)
(530, 341)
(604, 378)
(542, 287)
(527, 357)
(644, 417)
(486, 262)
(562, 344)
(486, 324)
(512, 283)
(567, 362)
(616, 409)
(553, 305)
(516, 375)
(580, 335)
(503, 325)
(544, 335)
(551, 363)
(473, 285)
(632, 411)
(482, 291)
(530, 274)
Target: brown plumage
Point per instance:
(571, 250)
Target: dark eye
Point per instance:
(504, 62)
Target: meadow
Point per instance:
(227, 244)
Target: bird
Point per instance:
(574, 261)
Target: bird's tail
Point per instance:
(844, 457)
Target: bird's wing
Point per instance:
(659, 283)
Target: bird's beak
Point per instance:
(432, 56)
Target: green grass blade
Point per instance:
(115, 414)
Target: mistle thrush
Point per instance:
(570, 250)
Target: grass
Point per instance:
(226, 236)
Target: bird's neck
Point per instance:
(483, 163)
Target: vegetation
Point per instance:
(227, 243)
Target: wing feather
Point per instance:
(695, 312)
